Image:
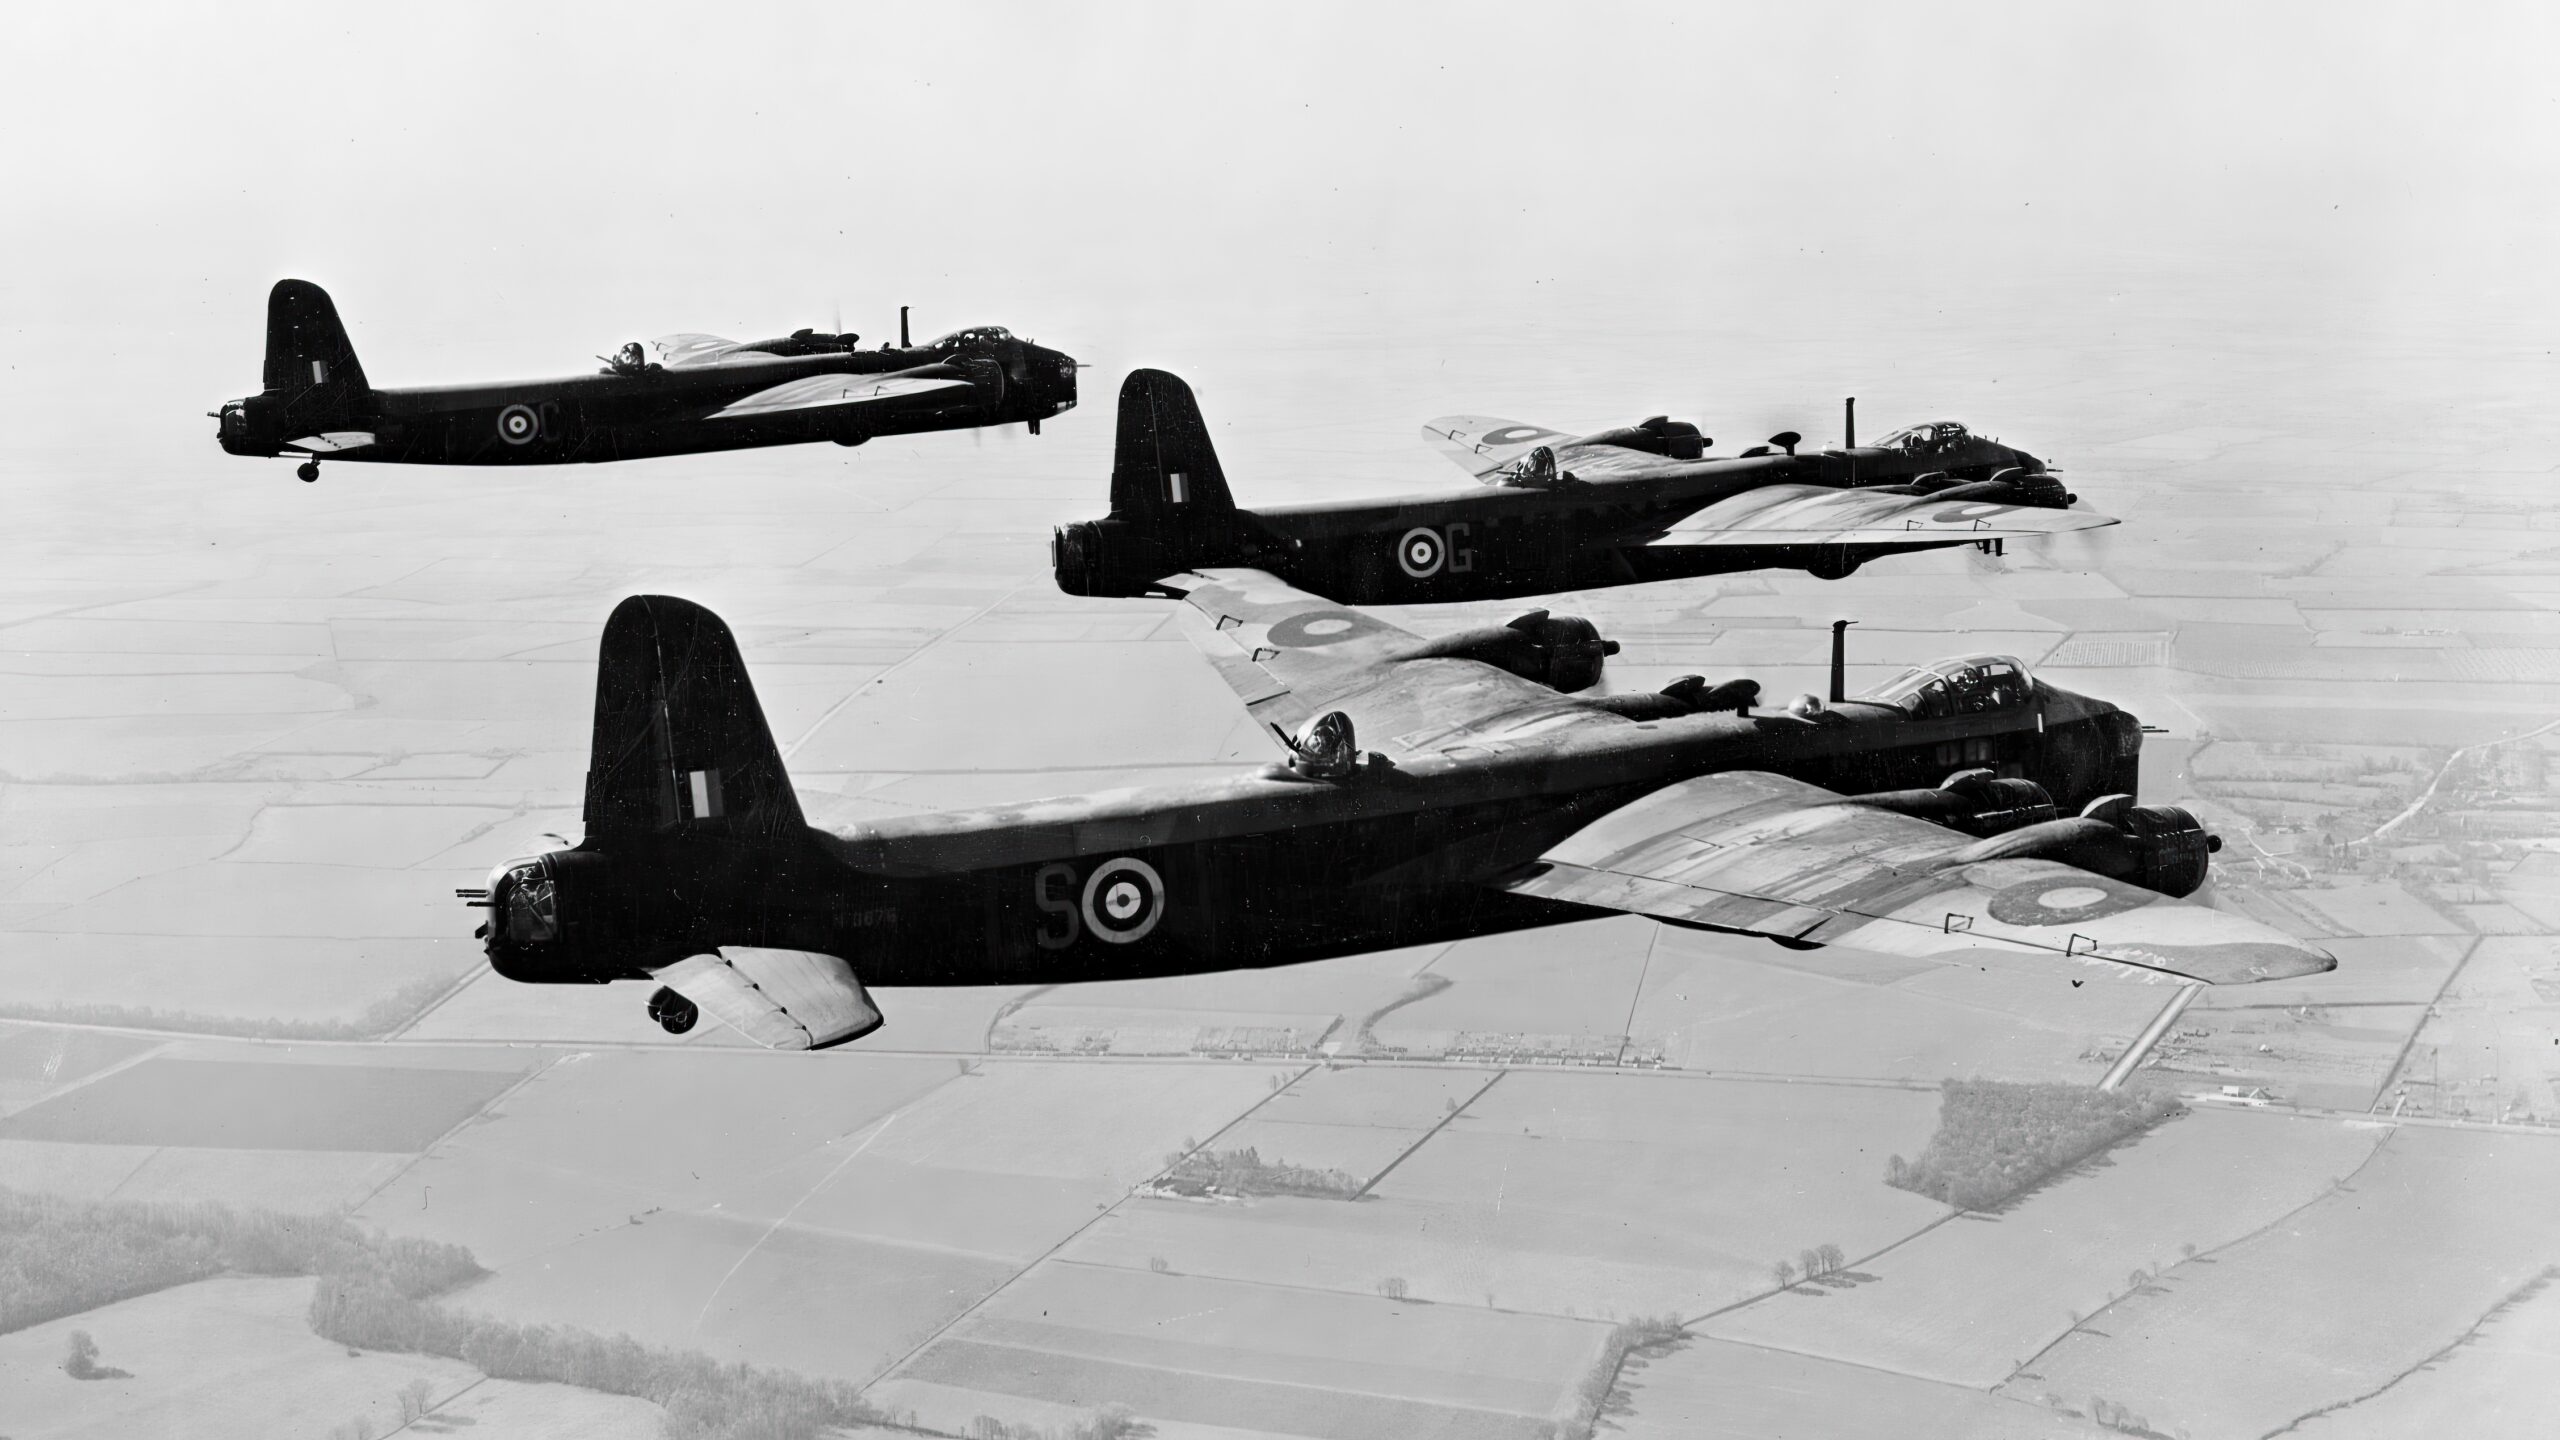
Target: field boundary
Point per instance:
(463, 982)
(423, 1151)
(2517, 1296)
(890, 1370)
(2424, 1015)
(1401, 1155)
(2335, 1188)
(1757, 1296)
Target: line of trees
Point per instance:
(1245, 1172)
(1997, 1140)
(1646, 1336)
(1111, 1422)
(378, 1019)
(1813, 1264)
(61, 1256)
(704, 1399)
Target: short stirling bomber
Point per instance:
(1555, 512)
(699, 393)
(1433, 788)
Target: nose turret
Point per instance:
(1052, 378)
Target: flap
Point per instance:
(780, 999)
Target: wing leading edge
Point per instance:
(1764, 855)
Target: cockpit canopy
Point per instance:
(1937, 437)
(974, 335)
(1968, 685)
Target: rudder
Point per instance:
(1163, 465)
(307, 348)
(679, 736)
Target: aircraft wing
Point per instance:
(678, 352)
(1822, 515)
(1765, 855)
(780, 999)
(1483, 445)
(333, 442)
(820, 392)
(1291, 656)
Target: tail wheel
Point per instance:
(308, 470)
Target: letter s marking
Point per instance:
(1059, 931)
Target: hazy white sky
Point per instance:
(504, 189)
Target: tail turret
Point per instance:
(1170, 510)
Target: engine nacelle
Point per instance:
(1976, 802)
(2012, 486)
(1688, 695)
(1656, 435)
(2158, 847)
(1563, 652)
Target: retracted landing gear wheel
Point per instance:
(674, 1013)
(1833, 567)
(308, 470)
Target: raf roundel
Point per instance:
(1979, 510)
(1421, 553)
(518, 425)
(1322, 627)
(1123, 901)
(1510, 435)
(2065, 900)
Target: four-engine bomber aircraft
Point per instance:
(1555, 512)
(1966, 806)
(700, 393)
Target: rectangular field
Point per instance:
(604, 1135)
(263, 1105)
(1358, 1119)
(1196, 1351)
(821, 1304)
(1715, 1390)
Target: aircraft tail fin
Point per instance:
(1163, 466)
(679, 737)
(307, 349)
